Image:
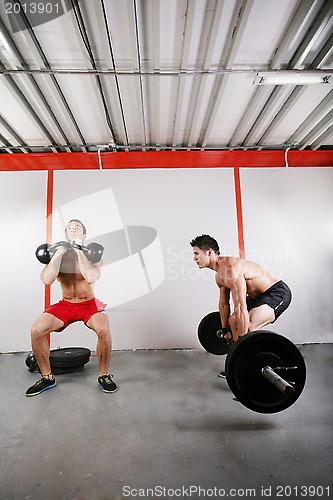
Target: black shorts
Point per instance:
(278, 297)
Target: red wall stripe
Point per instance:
(49, 209)
(49, 206)
(166, 159)
(239, 212)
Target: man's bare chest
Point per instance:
(70, 268)
(224, 276)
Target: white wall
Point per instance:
(22, 229)
(178, 205)
(156, 295)
(288, 227)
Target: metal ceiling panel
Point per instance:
(165, 74)
(308, 101)
(262, 35)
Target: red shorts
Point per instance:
(69, 312)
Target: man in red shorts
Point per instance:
(76, 275)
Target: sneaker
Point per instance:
(41, 385)
(107, 384)
(222, 375)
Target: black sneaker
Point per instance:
(107, 384)
(41, 385)
(222, 375)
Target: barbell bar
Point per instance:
(278, 382)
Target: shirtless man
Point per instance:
(258, 297)
(76, 275)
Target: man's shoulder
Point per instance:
(227, 261)
(228, 268)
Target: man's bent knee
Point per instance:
(37, 332)
(99, 322)
(102, 332)
(45, 324)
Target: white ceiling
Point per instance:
(164, 74)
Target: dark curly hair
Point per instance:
(205, 242)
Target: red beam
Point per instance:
(239, 212)
(166, 159)
(49, 209)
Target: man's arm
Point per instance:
(51, 271)
(91, 272)
(224, 306)
(241, 315)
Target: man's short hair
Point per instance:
(77, 220)
(205, 242)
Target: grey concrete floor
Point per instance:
(173, 430)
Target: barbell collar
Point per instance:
(282, 385)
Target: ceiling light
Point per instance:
(290, 78)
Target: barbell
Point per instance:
(265, 371)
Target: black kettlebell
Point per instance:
(31, 362)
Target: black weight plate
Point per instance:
(207, 329)
(244, 363)
(71, 364)
(67, 369)
(58, 370)
(65, 360)
(69, 355)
